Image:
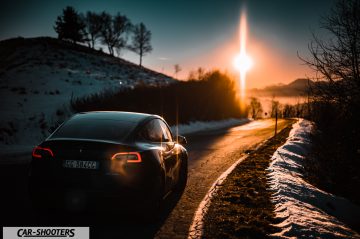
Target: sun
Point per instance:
(243, 63)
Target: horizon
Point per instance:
(273, 42)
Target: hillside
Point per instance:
(39, 76)
(295, 88)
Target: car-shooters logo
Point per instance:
(46, 232)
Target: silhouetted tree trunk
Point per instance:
(141, 41)
(335, 100)
(114, 30)
(336, 61)
(93, 26)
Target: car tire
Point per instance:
(183, 174)
(150, 211)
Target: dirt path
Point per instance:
(211, 154)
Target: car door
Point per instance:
(171, 156)
(157, 133)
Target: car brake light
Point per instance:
(130, 157)
(39, 152)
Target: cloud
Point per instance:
(163, 58)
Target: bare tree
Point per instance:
(255, 108)
(287, 111)
(122, 26)
(191, 75)
(177, 69)
(200, 73)
(336, 60)
(93, 26)
(114, 30)
(107, 35)
(141, 41)
(275, 107)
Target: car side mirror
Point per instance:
(181, 140)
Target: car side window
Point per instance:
(155, 131)
(166, 132)
(152, 131)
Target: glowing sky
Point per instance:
(195, 33)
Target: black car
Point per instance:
(124, 157)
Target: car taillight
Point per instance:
(130, 157)
(40, 152)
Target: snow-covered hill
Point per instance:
(39, 76)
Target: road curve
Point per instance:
(210, 154)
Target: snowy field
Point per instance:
(38, 79)
(304, 210)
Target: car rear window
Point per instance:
(103, 129)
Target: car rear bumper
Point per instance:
(98, 191)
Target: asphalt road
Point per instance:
(210, 154)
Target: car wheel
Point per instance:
(150, 210)
(183, 173)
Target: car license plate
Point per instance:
(81, 164)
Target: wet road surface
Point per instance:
(210, 154)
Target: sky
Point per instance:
(195, 33)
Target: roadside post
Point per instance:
(276, 120)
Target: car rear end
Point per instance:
(78, 173)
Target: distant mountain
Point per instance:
(295, 88)
(39, 76)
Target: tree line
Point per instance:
(335, 99)
(177, 103)
(277, 110)
(112, 31)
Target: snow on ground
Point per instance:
(304, 210)
(198, 126)
(39, 77)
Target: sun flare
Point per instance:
(243, 62)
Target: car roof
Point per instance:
(116, 115)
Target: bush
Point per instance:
(213, 98)
(334, 163)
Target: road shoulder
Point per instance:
(242, 206)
